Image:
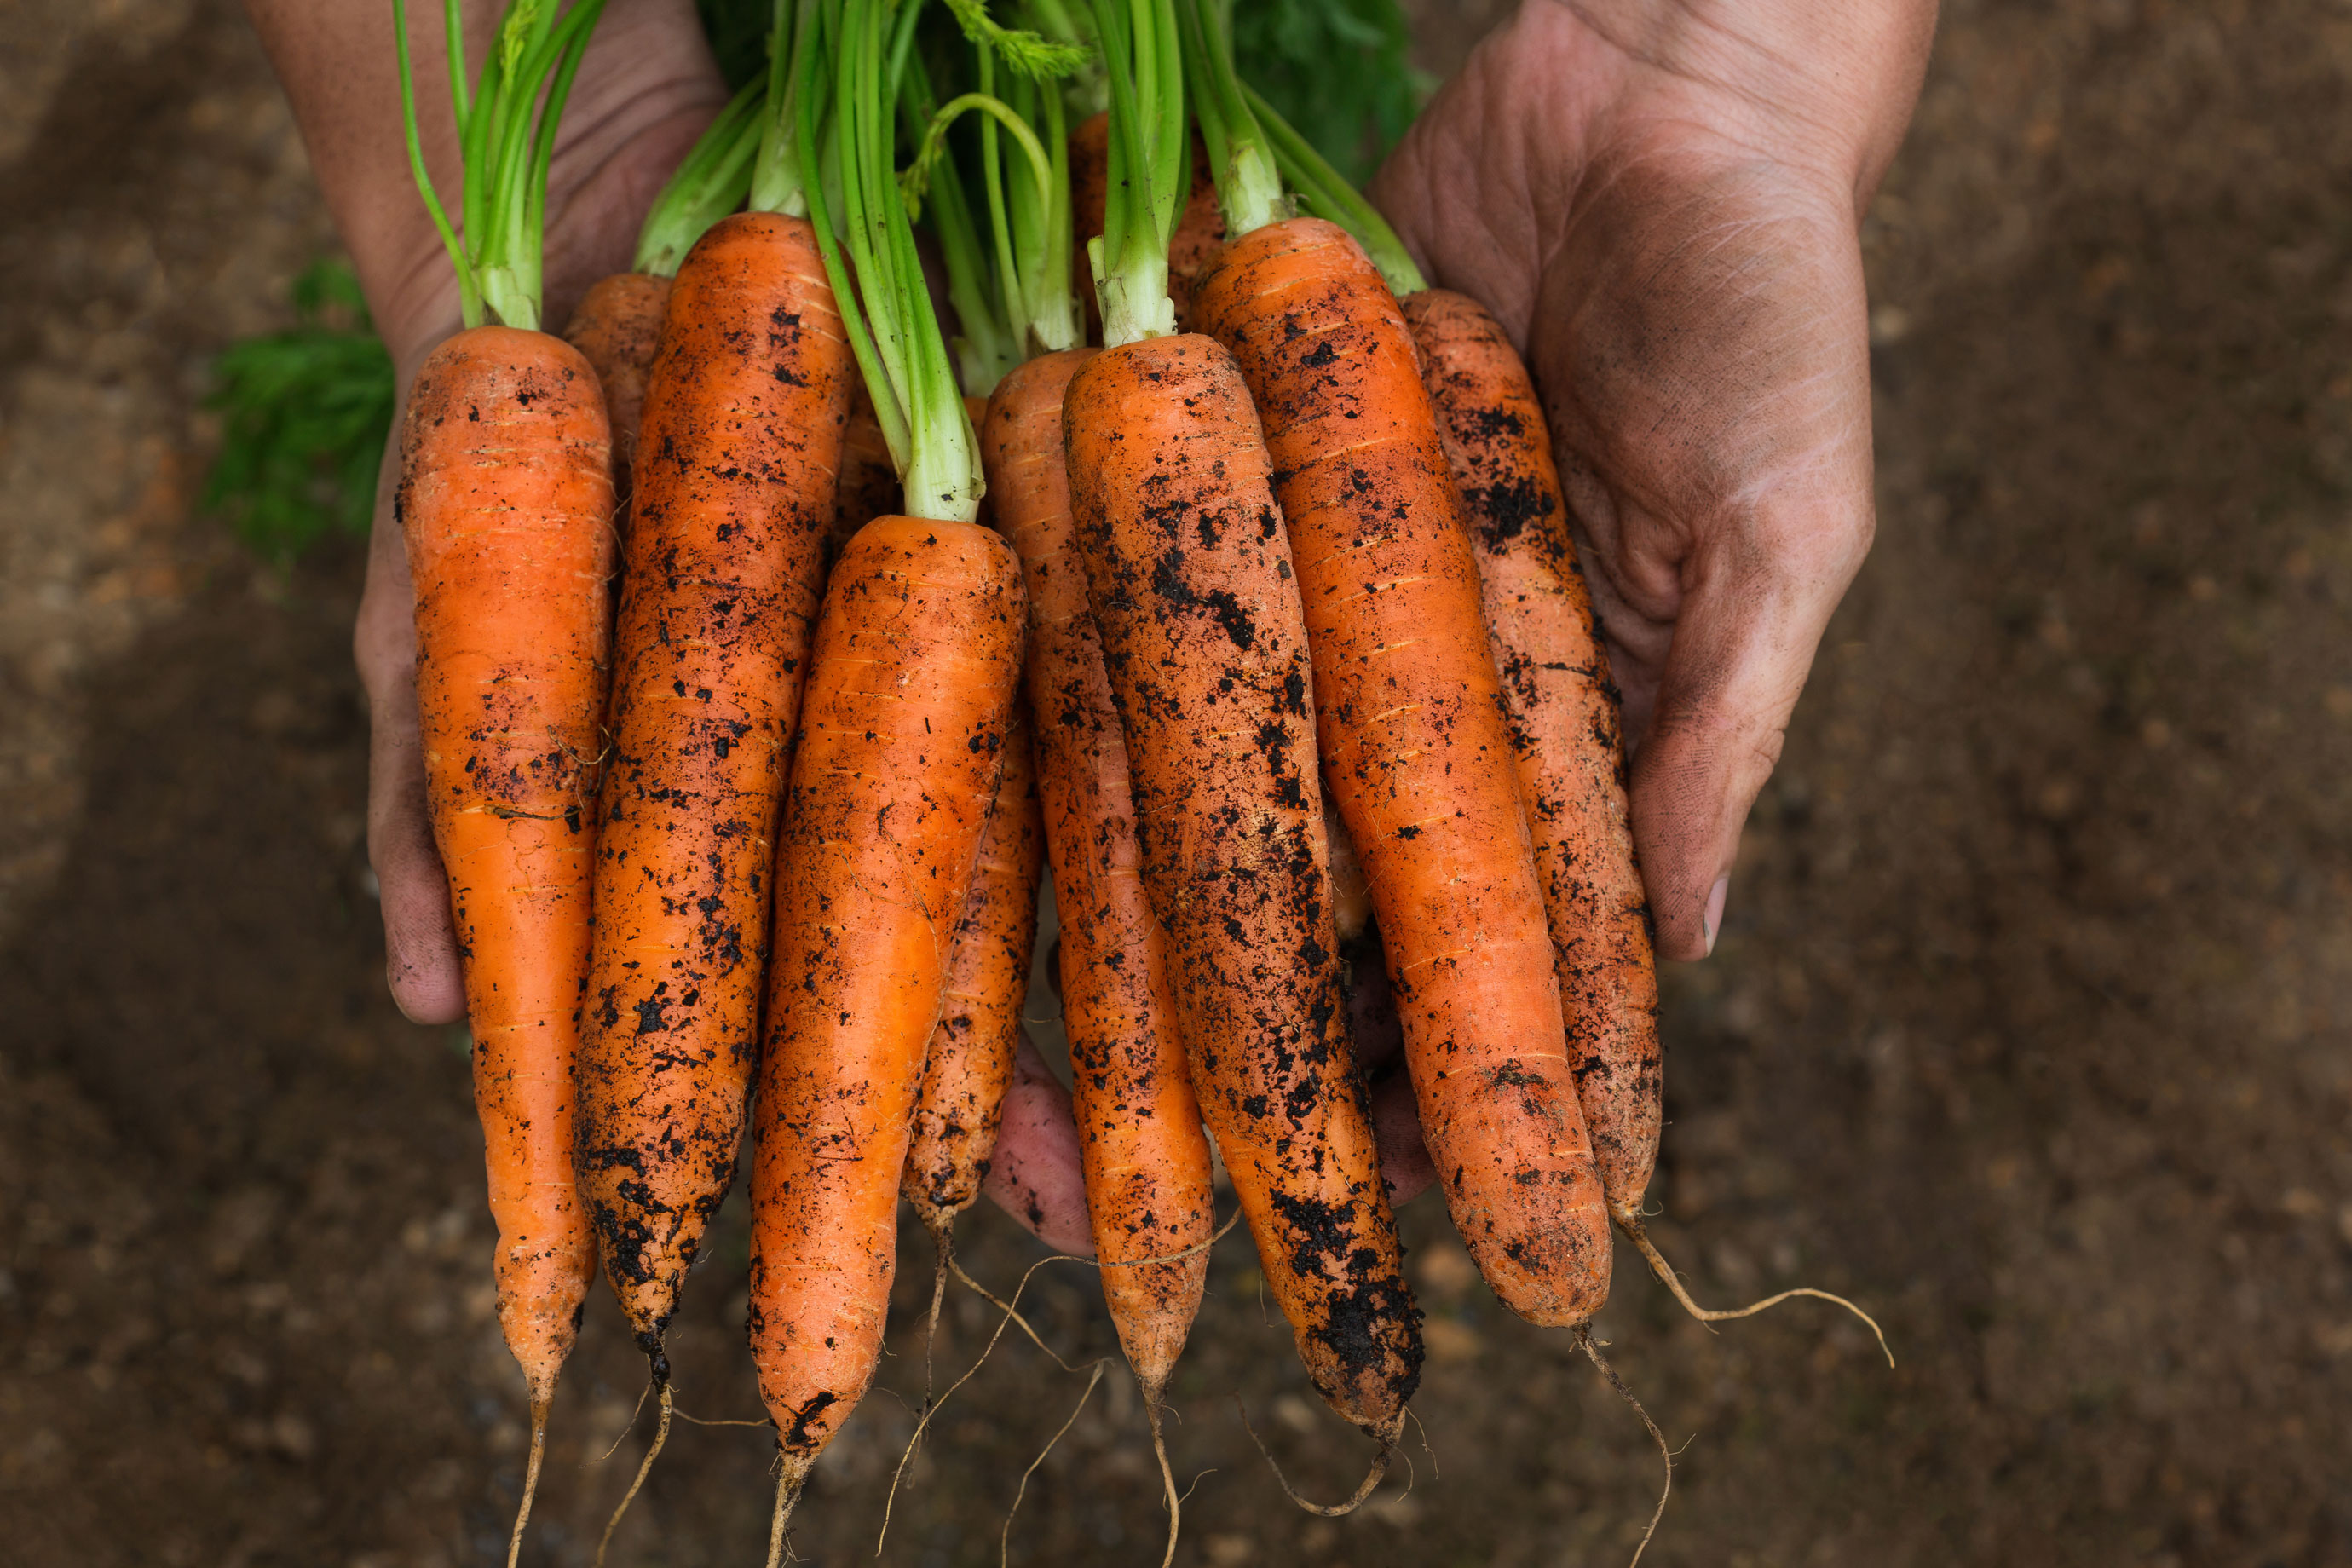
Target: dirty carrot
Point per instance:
(970, 1063)
(1191, 582)
(1415, 747)
(1141, 1146)
(735, 491)
(1565, 727)
(505, 507)
(912, 683)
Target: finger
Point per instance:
(1379, 1053)
(420, 945)
(1033, 1174)
(1372, 1007)
(1405, 1168)
(1743, 645)
(1706, 367)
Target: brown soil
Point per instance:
(2027, 1027)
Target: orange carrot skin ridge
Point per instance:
(910, 690)
(970, 1063)
(1190, 578)
(1149, 1193)
(1417, 752)
(506, 505)
(618, 327)
(735, 479)
(1565, 726)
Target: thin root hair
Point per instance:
(1364, 1488)
(1631, 1226)
(1592, 1352)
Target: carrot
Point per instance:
(911, 691)
(908, 702)
(1200, 231)
(1416, 747)
(735, 491)
(1141, 1146)
(616, 328)
(618, 324)
(1208, 660)
(1195, 598)
(970, 1062)
(505, 506)
(1565, 726)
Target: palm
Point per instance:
(1691, 304)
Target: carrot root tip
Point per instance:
(645, 1468)
(1592, 1352)
(539, 1405)
(1631, 1223)
(1374, 1477)
(792, 1474)
(1154, 1405)
(657, 1356)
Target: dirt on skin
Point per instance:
(2027, 1027)
(1191, 579)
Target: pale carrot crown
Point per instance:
(1327, 193)
(1249, 187)
(505, 126)
(1147, 167)
(854, 52)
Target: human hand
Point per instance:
(1660, 201)
(646, 88)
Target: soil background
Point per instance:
(2028, 1027)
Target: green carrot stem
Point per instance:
(507, 132)
(1328, 194)
(1249, 187)
(710, 182)
(1143, 64)
(886, 304)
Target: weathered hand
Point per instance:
(645, 89)
(1660, 200)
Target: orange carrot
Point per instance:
(1565, 727)
(1192, 583)
(969, 1064)
(1145, 1157)
(1417, 753)
(506, 506)
(910, 691)
(735, 491)
(618, 327)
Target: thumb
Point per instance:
(1743, 642)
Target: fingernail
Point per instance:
(1710, 924)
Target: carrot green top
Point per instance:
(508, 134)
(1327, 194)
(711, 183)
(1249, 187)
(1012, 296)
(859, 213)
(1148, 170)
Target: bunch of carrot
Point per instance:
(758, 844)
